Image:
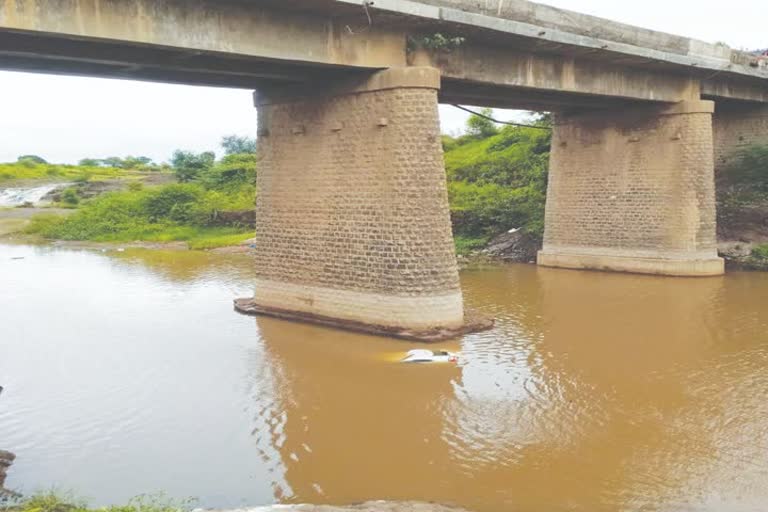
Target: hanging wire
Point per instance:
(465, 109)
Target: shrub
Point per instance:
(760, 252)
(231, 173)
(70, 196)
(749, 168)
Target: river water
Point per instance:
(10, 197)
(129, 372)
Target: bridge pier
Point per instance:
(633, 191)
(352, 219)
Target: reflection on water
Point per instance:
(129, 372)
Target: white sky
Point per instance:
(64, 119)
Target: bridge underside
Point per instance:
(352, 215)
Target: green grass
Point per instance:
(760, 252)
(169, 213)
(25, 171)
(212, 241)
(57, 501)
(465, 245)
(497, 183)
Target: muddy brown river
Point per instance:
(128, 372)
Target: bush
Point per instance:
(760, 252)
(177, 211)
(70, 196)
(749, 169)
(55, 501)
(231, 173)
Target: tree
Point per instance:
(136, 162)
(31, 159)
(481, 127)
(113, 161)
(188, 165)
(89, 162)
(235, 144)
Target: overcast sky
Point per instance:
(64, 119)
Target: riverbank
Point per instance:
(52, 502)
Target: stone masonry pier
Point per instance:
(633, 191)
(352, 210)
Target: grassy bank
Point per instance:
(29, 171)
(54, 501)
(202, 210)
(178, 212)
(497, 180)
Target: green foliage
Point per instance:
(28, 171)
(231, 173)
(56, 501)
(748, 172)
(211, 240)
(465, 245)
(34, 159)
(480, 126)
(760, 252)
(435, 42)
(499, 182)
(133, 163)
(188, 165)
(235, 144)
(70, 196)
(171, 212)
(743, 184)
(43, 223)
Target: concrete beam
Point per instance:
(208, 26)
(729, 89)
(566, 76)
(607, 38)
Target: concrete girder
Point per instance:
(224, 27)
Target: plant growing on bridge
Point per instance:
(435, 42)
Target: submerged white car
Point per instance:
(430, 356)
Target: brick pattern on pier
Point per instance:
(631, 190)
(352, 207)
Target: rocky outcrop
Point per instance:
(514, 246)
(740, 230)
(6, 459)
(746, 224)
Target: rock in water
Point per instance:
(514, 245)
(6, 459)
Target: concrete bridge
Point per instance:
(353, 223)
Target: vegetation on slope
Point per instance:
(742, 202)
(53, 501)
(27, 171)
(193, 210)
(497, 180)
